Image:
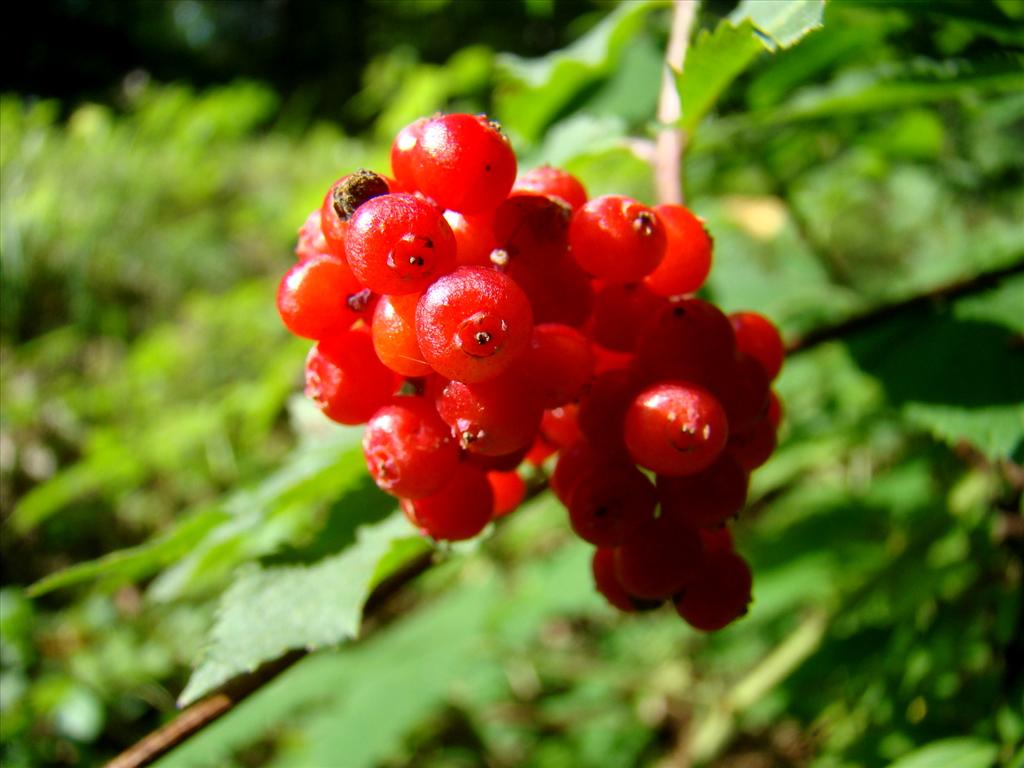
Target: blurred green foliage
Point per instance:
(165, 492)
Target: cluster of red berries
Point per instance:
(474, 321)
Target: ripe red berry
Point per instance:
(553, 182)
(603, 408)
(394, 335)
(675, 429)
(560, 426)
(621, 310)
(758, 337)
(617, 239)
(463, 162)
(687, 259)
(319, 297)
(660, 559)
(460, 510)
(719, 595)
(403, 153)
(409, 450)
(474, 238)
(398, 244)
(755, 446)
(560, 362)
(473, 324)
(493, 417)
(609, 504)
(311, 241)
(602, 566)
(509, 490)
(346, 380)
(689, 339)
(707, 498)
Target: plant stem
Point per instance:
(668, 178)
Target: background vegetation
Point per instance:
(173, 513)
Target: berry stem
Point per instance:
(668, 154)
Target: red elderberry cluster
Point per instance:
(474, 321)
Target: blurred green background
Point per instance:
(162, 481)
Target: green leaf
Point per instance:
(961, 376)
(963, 752)
(269, 611)
(717, 58)
(539, 89)
(782, 23)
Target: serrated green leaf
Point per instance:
(717, 58)
(962, 378)
(782, 23)
(538, 89)
(269, 611)
(962, 752)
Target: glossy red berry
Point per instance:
(617, 238)
(509, 490)
(319, 297)
(602, 566)
(399, 243)
(660, 559)
(560, 363)
(346, 380)
(757, 337)
(394, 335)
(493, 417)
(460, 510)
(687, 259)
(553, 182)
(409, 450)
(755, 446)
(473, 324)
(474, 238)
(719, 594)
(463, 162)
(688, 339)
(621, 310)
(675, 429)
(403, 153)
(707, 498)
(609, 504)
(311, 241)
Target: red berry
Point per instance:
(575, 462)
(743, 390)
(464, 163)
(775, 409)
(409, 450)
(561, 363)
(553, 182)
(460, 510)
(560, 426)
(707, 498)
(607, 582)
(345, 378)
(509, 491)
(403, 153)
(474, 238)
(311, 240)
(399, 244)
(758, 337)
(719, 595)
(394, 335)
(621, 310)
(616, 238)
(531, 228)
(319, 297)
(603, 408)
(559, 291)
(675, 429)
(755, 446)
(660, 559)
(609, 504)
(492, 418)
(689, 339)
(473, 323)
(687, 259)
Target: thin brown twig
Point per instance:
(671, 140)
(878, 315)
